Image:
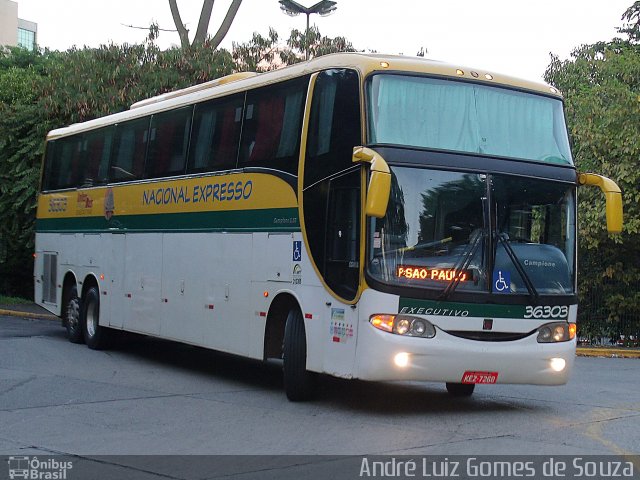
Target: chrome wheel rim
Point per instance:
(92, 319)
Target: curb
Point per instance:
(38, 316)
(604, 352)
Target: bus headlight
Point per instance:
(556, 332)
(405, 325)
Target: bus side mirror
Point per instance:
(379, 184)
(613, 197)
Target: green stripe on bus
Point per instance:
(277, 219)
(454, 309)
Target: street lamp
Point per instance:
(323, 8)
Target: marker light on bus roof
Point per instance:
(488, 76)
(384, 64)
(553, 90)
(459, 72)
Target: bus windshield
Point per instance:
(474, 232)
(466, 117)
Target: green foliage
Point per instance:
(601, 84)
(45, 90)
(632, 17)
(318, 45)
(262, 53)
(258, 54)
(4, 300)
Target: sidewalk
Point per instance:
(31, 310)
(27, 310)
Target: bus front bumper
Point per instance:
(383, 356)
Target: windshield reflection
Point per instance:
(452, 231)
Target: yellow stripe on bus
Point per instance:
(239, 191)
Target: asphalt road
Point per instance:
(154, 397)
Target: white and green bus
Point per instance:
(362, 216)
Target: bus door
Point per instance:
(331, 212)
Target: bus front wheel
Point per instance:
(299, 383)
(72, 316)
(460, 389)
(95, 336)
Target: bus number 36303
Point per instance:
(546, 311)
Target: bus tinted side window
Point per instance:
(96, 149)
(130, 148)
(272, 123)
(168, 143)
(216, 134)
(64, 163)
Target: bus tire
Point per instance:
(299, 383)
(95, 336)
(461, 389)
(72, 316)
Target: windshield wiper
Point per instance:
(417, 246)
(504, 240)
(465, 260)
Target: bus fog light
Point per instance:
(558, 364)
(402, 359)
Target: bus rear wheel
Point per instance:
(95, 336)
(461, 389)
(72, 316)
(299, 383)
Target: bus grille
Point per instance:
(488, 336)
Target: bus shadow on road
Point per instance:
(265, 378)
(407, 398)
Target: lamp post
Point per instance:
(323, 8)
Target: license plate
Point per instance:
(480, 377)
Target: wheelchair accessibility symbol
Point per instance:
(501, 281)
(297, 251)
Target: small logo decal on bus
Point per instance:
(109, 204)
(501, 281)
(57, 204)
(297, 251)
(339, 330)
(296, 278)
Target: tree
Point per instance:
(262, 53)
(22, 127)
(258, 54)
(601, 83)
(43, 91)
(632, 28)
(203, 24)
(318, 45)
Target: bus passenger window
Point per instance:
(64, 162)
(129, 150)
(272, 124)
(168, 142)
(215, 135)
(96, 152)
